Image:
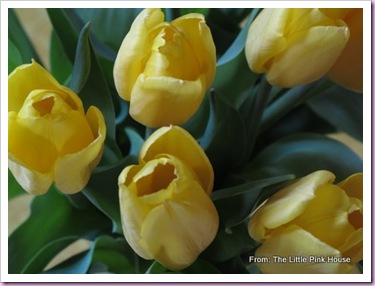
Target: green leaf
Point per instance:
(61, 67)
(253, 187)
(233, 67)
(102, 190)
(106, 254)
(136, 141)
(239, 44)
(224, 145)
(19, 38)
(228, 243)
(47, 253)
(51, 220)
(103, 22)
(89, 82)
(116, 255)
(200, 266)
(14, 189)
(302, 154)
(342, 108)
(14, 57)
(78, 264)
(65, 29)
(291, 99)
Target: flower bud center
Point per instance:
(160, 178)
(44, 106)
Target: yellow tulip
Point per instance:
(164, 69)
(166, 211)
(50, 139)
(348, 69)
(314, 224)
(295, 46)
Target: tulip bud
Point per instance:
(314, 221)
(164, 69)
(166, 210)
(50, 139)
(294, 46)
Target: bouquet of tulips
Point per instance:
(188, 141)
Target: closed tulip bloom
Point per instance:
(164, 69)
(50, 138)
(348, 69)
(166, 211)
(295, 46)
(315, 220)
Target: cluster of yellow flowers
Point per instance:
(164, 70)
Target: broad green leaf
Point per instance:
(19, 39)
(302, 154)
(224, 145)
(14, 189)
(61, 67)
(89, 82)
(102, 190)
(200, 266)
(342, 108)
(14, 57)
(109, 25)
(65, 29)
(52, 218)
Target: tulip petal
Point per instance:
(35, 133)
(353, 186)
(133, 210)
(265, 38)
(310, 54)
(198, 35)
(72, 171)
(175, 141)
(134, 51)
(26, 78)
(353, 246)
(287, 204)
(348, 69)
(294, 242)
(158, 101)
(31, 181)
(190, 222)
(328, 211)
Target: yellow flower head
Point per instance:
(50, 137)
(314, 220)
(295, 46)
(164, 69)
(166, 210)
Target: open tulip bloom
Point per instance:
(175, 142)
